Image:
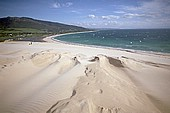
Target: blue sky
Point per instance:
(93, 13)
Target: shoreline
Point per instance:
(53, 74)
(51, 39)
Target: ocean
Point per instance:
(156, 40)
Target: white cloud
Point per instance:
(120, 12)
(154, 7)
(98, 24)
(60, 5)
(132, 15)
(86, 24)
(154, 13)
(110, 23)
(68, 4)
(56, 5)
(77, 12)
(108, 17)
(92, 16)
(101, 21)
(113, 22)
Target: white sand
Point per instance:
(64, 78)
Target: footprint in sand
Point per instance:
(100, 91)
(87, 83)
(88, 71)
(4, 66)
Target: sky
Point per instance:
(118, 14)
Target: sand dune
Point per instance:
(61, 78)
(104, 89)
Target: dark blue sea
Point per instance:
(157, 40)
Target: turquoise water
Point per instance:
(157, 40)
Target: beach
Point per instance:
(56, 77)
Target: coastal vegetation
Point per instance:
(24, 28)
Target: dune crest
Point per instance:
(104, 89)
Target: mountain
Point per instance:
(46, 26)
(24, 28)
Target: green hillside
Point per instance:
(23, 28)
